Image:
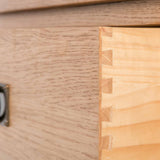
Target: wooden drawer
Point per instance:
(50, 59)
(130, 81)
(54, 93)
(53, 78)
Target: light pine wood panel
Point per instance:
(53, 78)
(129, 93)
(131, 13)
(17, 5)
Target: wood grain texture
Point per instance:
(130, 112)
(18, 5)
(131, 13)
(53, 78)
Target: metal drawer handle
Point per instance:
(2, 104)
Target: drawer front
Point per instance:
(130, 95)
(53, 78)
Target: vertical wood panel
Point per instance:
(133, 105)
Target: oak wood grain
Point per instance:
(128, 13)
(18, 5)
(129, 110)
(53, 78)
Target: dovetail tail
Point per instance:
(106, 142)
(107, 85)
(106, 31)
(106, 114)
(107, 57)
